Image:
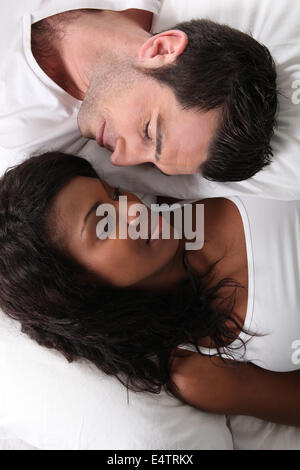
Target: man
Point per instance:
(141, 99)
(185, 114)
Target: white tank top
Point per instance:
(272, 232)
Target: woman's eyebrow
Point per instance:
(94, 207)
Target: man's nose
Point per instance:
(126, 155)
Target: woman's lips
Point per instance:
(156, 232)
(99, 135)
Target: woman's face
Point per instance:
(119, 262)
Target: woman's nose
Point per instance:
(131, 214)
(125, 154)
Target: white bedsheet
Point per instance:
(247, 434)
(255, 434)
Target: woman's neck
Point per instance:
(224, 247)
(171, 275)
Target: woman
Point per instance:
(132, 306)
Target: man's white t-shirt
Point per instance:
(36, 115)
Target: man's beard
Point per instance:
(110, 80)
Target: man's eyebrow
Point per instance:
(94, 207)
(159, 137)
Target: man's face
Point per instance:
(141, 121)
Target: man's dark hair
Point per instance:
(224, 68)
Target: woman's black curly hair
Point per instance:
(127, 333)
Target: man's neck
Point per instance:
(68, 45)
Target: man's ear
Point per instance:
(162, 49)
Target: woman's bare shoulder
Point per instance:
(230, 388)
(208, 383)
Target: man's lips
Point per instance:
(99, 135)
(104, 138)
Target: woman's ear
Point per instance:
(162, 49)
